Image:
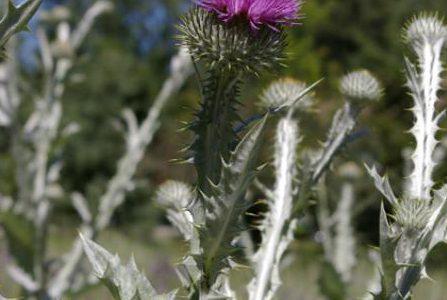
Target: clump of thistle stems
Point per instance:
(210, 215)
(25, 216)
(417, 220)
(292, 178)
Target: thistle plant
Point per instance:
(417, 219)
(227, 40)
(230, 40)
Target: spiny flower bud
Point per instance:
(231, 46)
(286, 91)
(360, 86)
(425, 28)
(412, 214)
(174, 194)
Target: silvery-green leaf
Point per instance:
(188, 272)
(342, 125)
(277, 227)
(226, 204)
(344, 257)
(125, 282)
(382, 184)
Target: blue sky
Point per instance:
(146, 25)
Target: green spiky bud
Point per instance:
(231, 46)
(284, 91)
(359, 86)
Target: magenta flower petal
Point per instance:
(258, 12)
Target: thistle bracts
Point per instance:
(426, 34)
(288, 92)
(226, 51)
(418, 220)
(233, 46)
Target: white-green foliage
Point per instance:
(358, 88)
(125, 282)
(226, 203)
(344, 253)
(211, 217)
(418, 221)
(277, 227)
(280, 219)
(336, 229)
(26, 220)
(426, 35)
(16, 18)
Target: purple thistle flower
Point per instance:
(258, 12)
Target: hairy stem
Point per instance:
(214, 127)
(278, 220)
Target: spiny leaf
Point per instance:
(16, 19)
(227, 203)
(382, 184)
(125, 282)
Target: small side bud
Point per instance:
(412, 214)
(174, 194)
(286, 90)
(425, 28)
(359, 86)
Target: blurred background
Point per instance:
(124, 63)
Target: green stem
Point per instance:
(214, 127)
